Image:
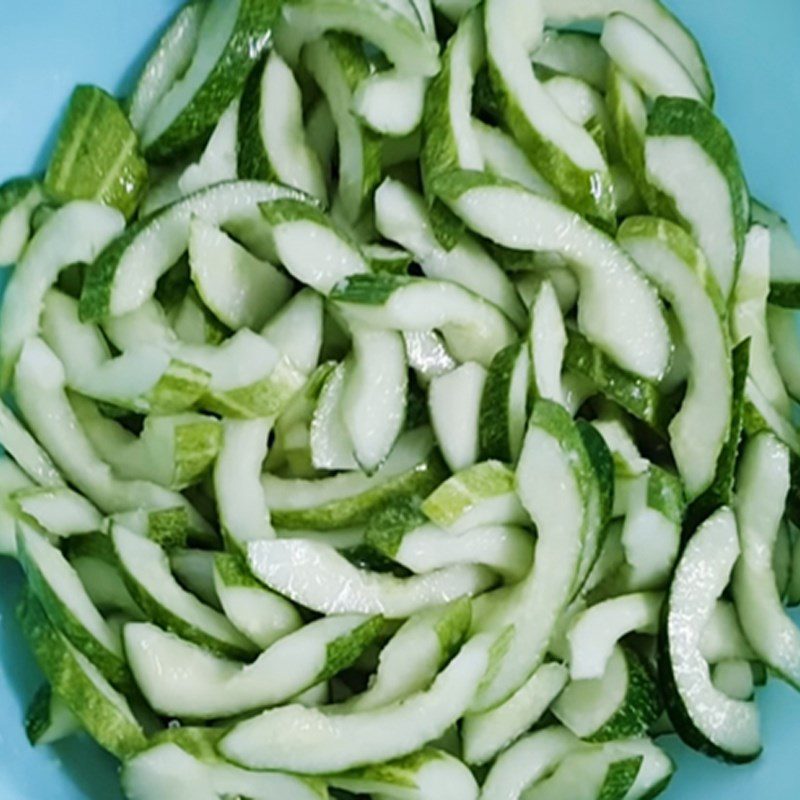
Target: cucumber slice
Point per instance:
(58, 587)
(374, 395)
(448, 139)
(343, 501)
(96, 155)
(528, 760)
(691, 158)
(483, 494)
(761, 415)
(48, 718)
(147, 575)
(19, 198)
(104, 585)
(782, 329)
(272, 142)
(315, 576)
(627, 107)
(487, 734)
(676, 266)
(593, 634)
(329, 440)
(513, 217)
(575, 53)
(302, 313)
(401, 215)
(434, 636)
(75, 233)
(167, 63)
(39, 390)
(560, 149)
(26, 452)
(262, 616)
(554, 482)
(428, 773)
(583, 105)
(313, 742)
(762, 487)
(504, 404)
(310, 245)
(641, 55)
(503, 157)
(628, 461)
(704, 717)
(12, 479)
(60, 511)
(124, 276)
(183, 680)
(722, 638)
(101, 710)
(622, 703)
(427, 355)
(391, 102)
(241, 506)
(649, 13)
(171, 771)
(547, 341)
(338, 65)
(473, 329)
(231, 37)
(382, 24)
(749, 318)
(784, 256)
(454, 401)
(194, 571)
(734, 678)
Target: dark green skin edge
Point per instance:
(13, 192)
(620, 777)
(783, 294)
(494, 400)
(37, 716)
(251, 159)
(373, 290)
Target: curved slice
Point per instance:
(762, 487)
(19, 198)
(184, 680)
(677, 267)
(650, 13)
(391, 102)
(312, 742)
(34, 461)
(704, 717)
(513, 217)
(317, 577)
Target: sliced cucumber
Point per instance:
(761, 489)
(19, 198)
(641, 55)
(313, 742)
(691, 159)
(12, 479)
(338, 65)
(329, 441)
(734, 678)
(243, 512)
(528, 760)
(473, 329)
(704, 717)
(749, 318)
(593, 634)
(59, 511)
(547, 340)
(374, 395)
(302, 312)
(622, 703)
(391, 102)
(48, 718)
(564, 153)
(782, 328)
(183, 680)
(434, 636)
(194, 571)
(628, 461)
(342, 501)
(239, 289)
(76, 232)
(96, 155)
(487, 734)
(483, 494)
(722, 638)
(513, 217)
(147, 575)
(101, 710)
(650, 13)
(314, 575)
(401, 215)
(124, 276)
(272, 141)
(172, 771)
(578, 53)
(230, 38)
(784, 256)
(454, 400)
(26, 451)
(427, 355)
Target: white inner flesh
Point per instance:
(390, 102)
(302, 313)
(218, 161)
(61, 512)
(25, 450)
(548, 339)
(15, 227)
(331, 445)
(782, 325)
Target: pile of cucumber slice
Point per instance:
(399, 404)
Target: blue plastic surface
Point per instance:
(48, 46)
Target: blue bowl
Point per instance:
(48, 46)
